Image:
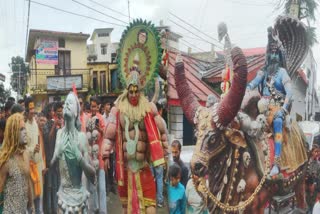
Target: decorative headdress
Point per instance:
(139, 59)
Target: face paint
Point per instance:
(23, 136)
(133, 95)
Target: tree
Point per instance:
(303, 9)
(311, 36)
(4, 94)
(20, 70)
(307, 8)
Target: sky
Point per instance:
(247, 21)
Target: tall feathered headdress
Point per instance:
(139, 55)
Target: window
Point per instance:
(103, 34)
(113, 57)
(62, 43)
(103, 82)
(64, 64)
(95, 81)
(103, 49)
(114, 80)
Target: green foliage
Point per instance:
(92, 91)
(4, 94)
(117, 91)
(215, 86)
(311, 36)
(307, 10)
(18, 81)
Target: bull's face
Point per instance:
(209, 142)
(210, 122)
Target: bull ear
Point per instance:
(230, 105)
(188, 101)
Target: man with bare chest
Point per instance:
(140, 140)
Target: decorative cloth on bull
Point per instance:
(139, 61)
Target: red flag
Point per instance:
(226, 78)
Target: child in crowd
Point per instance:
(195, 203)
(176, 191)
(316, 208)
(310, 193)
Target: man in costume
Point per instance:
(135, 125)
(72, 154)
(15, 184)
(276, 89)
(140, 136)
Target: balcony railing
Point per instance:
(47, 80)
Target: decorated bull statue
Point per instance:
(237, 160)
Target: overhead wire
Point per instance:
(84, 5)
(113, 10)
(249, 4)
(202, 15)
(129, 10)
(15, 23)
(192, 45)
(193, 38)
(195, 34)
(76, 14)
(198, 30)
(27, 32)
(23, 19)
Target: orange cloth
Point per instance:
(35, 177)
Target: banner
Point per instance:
(47, 52)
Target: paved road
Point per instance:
(114, 205)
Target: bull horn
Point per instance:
(188, 101)
(230, 105)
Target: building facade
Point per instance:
(101, 48)
(57, 61)
(102, 63)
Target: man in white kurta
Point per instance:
(35, 152)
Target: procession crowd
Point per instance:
(37, 150)
(41, 132)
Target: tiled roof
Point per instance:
(198, 70)
(255, 62)
(249, 51)
(192, 68)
